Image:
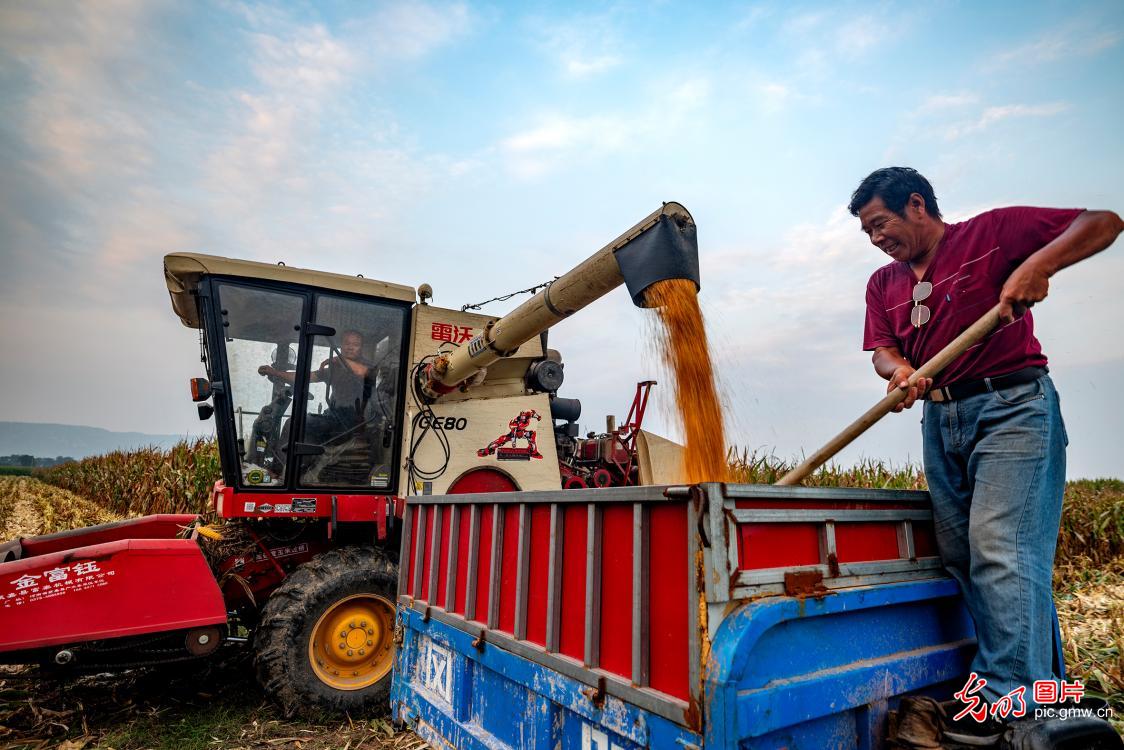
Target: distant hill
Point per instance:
(50, 440)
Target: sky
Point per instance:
(486, 147)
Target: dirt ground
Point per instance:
(215, 705)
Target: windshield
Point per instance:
(261, 328)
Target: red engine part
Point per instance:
(601, 478)
(248, 577)
(231, 503)
(607, 460)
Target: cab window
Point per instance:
(350, 423)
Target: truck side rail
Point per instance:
(771, 540)
(565, 579)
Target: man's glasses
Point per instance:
(919, 315)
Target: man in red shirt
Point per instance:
(994, 440)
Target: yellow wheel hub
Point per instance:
(351, 645)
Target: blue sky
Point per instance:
(483, 148)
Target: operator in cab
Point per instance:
(349, 375)
(353, 429)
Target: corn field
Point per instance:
(28, 508)
(180, 480)
(146, 481)
(1093, 523)
(753, 468)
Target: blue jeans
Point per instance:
(995, 463)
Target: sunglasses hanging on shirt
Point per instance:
(920, 314)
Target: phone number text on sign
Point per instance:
(59, 581)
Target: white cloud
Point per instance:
(558, 133)
(752, 17)
(992, 115)
(309, 60)
(299, 71)
(855, 37)
(77, 118)
(832, 260)
(1073, 40)
(582, 46)
(588, 66)
(824, 39)
(942, 102)
(544, 147)
(776, 95)
(408, 31)
(85, 136)
(275, 175)
(557, 140)
(802, 23)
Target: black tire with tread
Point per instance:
(281, 659)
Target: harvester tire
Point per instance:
(325, 640)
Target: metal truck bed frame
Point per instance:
(624, 590)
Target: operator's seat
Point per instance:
(347, 459)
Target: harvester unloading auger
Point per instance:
(335, 399)
(662, 246)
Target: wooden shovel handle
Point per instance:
(940, 360)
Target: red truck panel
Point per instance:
(509, 568)
(538, 568)
(463, 529)
(774, 545)
(484, 565)
(571, 635)
(669, 626)
(430, 530)
(616, 590)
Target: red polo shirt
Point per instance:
(972, 262)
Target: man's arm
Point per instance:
(287, 376)
(1088, 234)
(891, 365)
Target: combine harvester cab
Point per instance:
(716, 616)
(98, 597)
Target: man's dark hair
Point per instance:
(894, 185)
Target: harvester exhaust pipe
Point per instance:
(661, 246)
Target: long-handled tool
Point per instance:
(940, 360)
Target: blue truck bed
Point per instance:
(716, 616)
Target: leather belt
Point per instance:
(954, 391)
